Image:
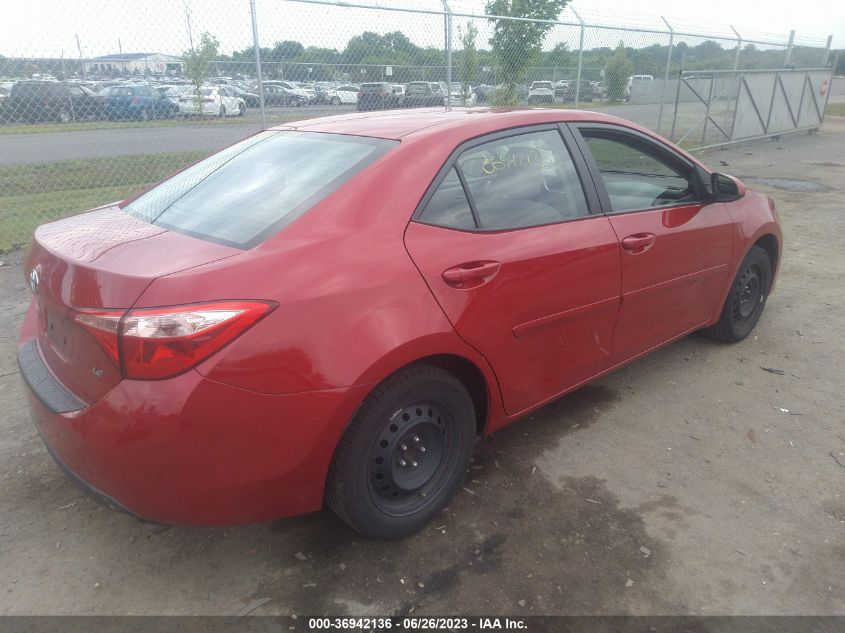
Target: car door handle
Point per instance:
(470, 273)
(638, 242)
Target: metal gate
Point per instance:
(714, 108)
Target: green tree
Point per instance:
(616, 73)
(469, 60)
(197, 61)
(516, 43)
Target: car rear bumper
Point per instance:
(190, 450)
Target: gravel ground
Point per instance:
(678, 485)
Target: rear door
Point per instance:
(675, 245)
(525, 272)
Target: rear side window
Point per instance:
(245, 193)
(449, 205)
(515, 182)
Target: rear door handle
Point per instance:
(638, 242)
(470, 274)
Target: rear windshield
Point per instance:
(251, 190)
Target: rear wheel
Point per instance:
(241, 109)
(145, 115)
(65, 116)
(336, 101)
(404, 454)
(222, 111)
(746, 300)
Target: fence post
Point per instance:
(255, 48)
(678, 94)
(580, 58)
(827, 50)
(666, 75)
(447, 14)
(788, 59)
(738, 46)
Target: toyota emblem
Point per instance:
(33, 280)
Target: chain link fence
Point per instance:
(99, 104)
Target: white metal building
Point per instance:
(135, 64)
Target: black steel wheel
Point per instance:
(746, 299)
(404, 454)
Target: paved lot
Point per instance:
(676, 485)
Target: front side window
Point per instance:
(245, 193)
(636, 178)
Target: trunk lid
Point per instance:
(101, 259)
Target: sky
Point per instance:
(48, 28)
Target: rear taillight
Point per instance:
(155, 343)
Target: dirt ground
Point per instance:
(691, 482)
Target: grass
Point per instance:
(86, 126)
(33, 194)
(835, 109)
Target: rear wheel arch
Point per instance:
(467, 372)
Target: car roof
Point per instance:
(399, 124)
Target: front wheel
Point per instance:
(336, 101)
(241, 109)
(746, 299)
(222, 112)
(404, 454)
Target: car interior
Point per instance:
(635, 179)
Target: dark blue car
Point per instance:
(136, 101)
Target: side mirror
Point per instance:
(726, 188)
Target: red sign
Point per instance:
(823, 88)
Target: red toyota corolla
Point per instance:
(335, 310)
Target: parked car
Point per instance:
(218, 101)
(541, 92)
(584, 94)
(483, 92)
(424, 94)
(376, 96)
(251, 100)
(636, 80)
(459, 98)
(282, 93)
(398, 95)
(137, 101)
(5, 89)
(560, 87)
(343, 94)
(309, 91)
(330, 315)
(173, 92)
(48, 100)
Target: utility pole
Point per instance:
(79, 48)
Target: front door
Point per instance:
(674, 244)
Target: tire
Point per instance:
(404, 454)
(222, 112)
(65, 116)
(746, 299)
(145, 116)
(335, 101)
(241, 109)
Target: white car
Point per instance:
(456, 92)
(541, 92)
(214, 100)
(342, 94)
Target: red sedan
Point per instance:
(333, 311)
